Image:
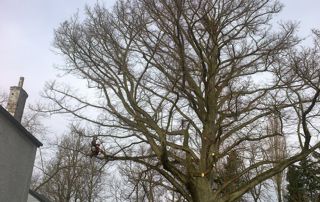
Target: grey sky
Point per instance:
(26, 35)
(307, 12)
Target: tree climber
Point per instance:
(95, 147)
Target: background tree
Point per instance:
(231, 171)
(191, 81)
(71, 175)
(3, 98)
(145, 184)
(304, 181)
(277, 151)
(260, 192)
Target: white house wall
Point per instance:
(17, 155)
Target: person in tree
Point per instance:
(95, 147)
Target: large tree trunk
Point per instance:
(200, 190)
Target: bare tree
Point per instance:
(193, 81)
(277, 151)
(70, 175)
(3, 98)
(145, 184)
(260, 192)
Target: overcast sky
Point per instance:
(26, 36)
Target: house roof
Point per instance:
(38, 196)
(20, 127)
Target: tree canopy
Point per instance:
(194, 83)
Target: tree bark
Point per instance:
(200, 190)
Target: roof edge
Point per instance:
(19, 126)
(38, 196)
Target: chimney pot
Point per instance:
(21, 80)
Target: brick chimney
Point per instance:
(17, 100)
